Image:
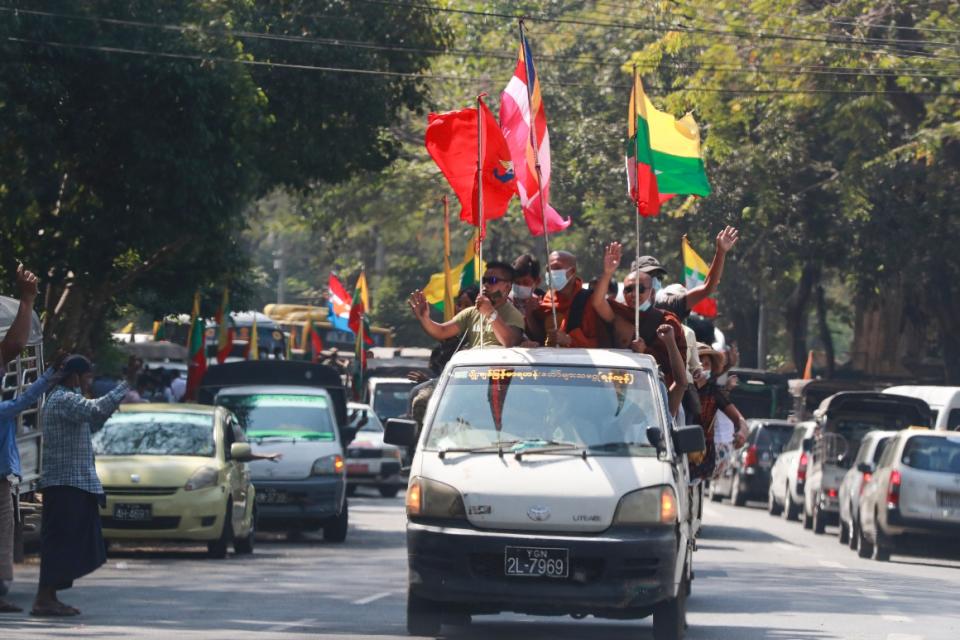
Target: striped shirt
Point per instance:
(69, 420)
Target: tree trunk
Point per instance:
(745, 327)
(824, 328)
(796, 314)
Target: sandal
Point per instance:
(9, 607)
(54, 610)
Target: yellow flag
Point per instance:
(252, 348)
(194, 314)
(466, 273)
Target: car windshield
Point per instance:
(843, 436)
(155, 434)
(371, 423)
(932, 453)
(523, 408)
(774, 437)
(265, 415)
(391, 399)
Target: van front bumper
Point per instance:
(615, 574)
(298, 504)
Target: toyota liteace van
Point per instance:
(548, 482)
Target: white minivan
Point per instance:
(944, 403)
(548, 482)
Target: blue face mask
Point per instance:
(646, 305)
(657, 285)
(558, 279)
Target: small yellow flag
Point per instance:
(253, 351)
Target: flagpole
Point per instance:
(536, 158)
(447, 283)
(636, 180)
(480, 193)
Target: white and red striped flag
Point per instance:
(518, 101)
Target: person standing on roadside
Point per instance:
(71, 542)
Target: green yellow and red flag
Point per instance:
(224, 328)
(695, 274)
(196, 350)
(312, 338)
(662, 154)
(463, 275)
(361, 327)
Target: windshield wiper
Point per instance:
(487, 448)
(608, 446)
(546, 446)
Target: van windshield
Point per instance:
(522, 408)
(267, 415)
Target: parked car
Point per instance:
(306, 490)
(176, 472)
(370, 461)
(914, 495)
(842, 421)
(855, 481)
(944, 403)
(760, 394)
(548, 481)
(748, 475)
(789, 473)
(389, 397)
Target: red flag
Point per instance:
(451, 141)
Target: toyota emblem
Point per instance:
(134, 478)
(538, 513)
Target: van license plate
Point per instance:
(947, 500)
(132, 512)
(536, 562)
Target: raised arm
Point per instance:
(16, 338)
(97, 411)
(665, 333)
(30, 396)
(436, 330)
(725, 241)
(598, 298)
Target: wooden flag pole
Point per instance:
(447, 283)
(480, 196)
(536, 158)
(636, 181)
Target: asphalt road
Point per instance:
(756, 577)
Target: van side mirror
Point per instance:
(359, 418)
(807, 444)
(241, 452)
(655, 438)
(866, 467)
(689, 439)
(401, 432)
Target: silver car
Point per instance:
(789, 473)
(914, 494)
(855, 481)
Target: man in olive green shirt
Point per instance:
(492, 322)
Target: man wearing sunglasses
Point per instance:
(492, 322)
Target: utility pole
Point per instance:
(280, 264)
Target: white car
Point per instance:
(389, 397)
(370, 461)
(789, 473)
(855, 481)
(548, 481)
(914, 494)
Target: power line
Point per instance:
(431, 76)
(336, 42)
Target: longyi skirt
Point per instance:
(71, 540)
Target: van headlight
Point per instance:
(327, 466)
(431, 499)
(202, 478)
(656, 505)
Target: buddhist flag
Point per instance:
(224, 330)
(694, 275)
(521, 107)
(662, 155)
(338, 305)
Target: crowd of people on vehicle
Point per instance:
(513, 309)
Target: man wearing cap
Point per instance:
(577, 323)
(71, 542)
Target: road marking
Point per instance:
(373, 598)
(306, 622)
(787, 546)
(903, 636)
(893, 617)
(876, 594)
(850, 578)
(830, 564)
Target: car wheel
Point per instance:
(389, 492)
(351, 489)
(864, 546)
(819, 521)
(670, 617)
(423, 616)
(218, 548)
(844, 532)
(714, 496)
(854, 535)
(807, 519)
(336, 531)
(773, 507)
(791, 510)
(245, 545)
(883, 546)
(737, 497)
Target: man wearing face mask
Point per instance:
(492, 322)
(577, 323)
(637, 286)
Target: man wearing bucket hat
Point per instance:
(716, 410)
(71, 543)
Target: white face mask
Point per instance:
(522, 293)
(558, 279)
(706, 374)
(646, 305)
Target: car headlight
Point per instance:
(328, 466)
(202, 478)
(431, 499)
(656, 505)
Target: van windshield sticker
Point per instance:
(600, 376)
(278, 400)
